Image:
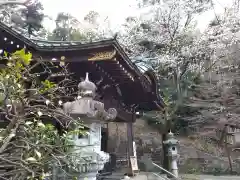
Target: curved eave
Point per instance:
(148, 82)
(154, 102)
(16, 35)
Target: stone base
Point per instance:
(88, 176)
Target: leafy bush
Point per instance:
(30, 104)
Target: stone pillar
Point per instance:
(171, 144)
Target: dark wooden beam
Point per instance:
(123, 114)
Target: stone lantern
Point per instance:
(86, 107)
(173, 155)
(89, 157)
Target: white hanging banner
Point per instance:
(134, 149)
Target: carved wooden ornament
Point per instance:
(101, 56)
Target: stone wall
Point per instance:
(117, 134)
(197, 161)
(148, 140)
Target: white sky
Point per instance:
(115, 10)
(219, 6)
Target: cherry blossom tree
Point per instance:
(163, 38)
(219, 93)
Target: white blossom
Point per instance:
(60, 102)
(47, 102)
(40, 124)
(39, 113)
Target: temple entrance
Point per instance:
(104, 139)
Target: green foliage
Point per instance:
(23, 57)
(60, 34)
(47, 86)
(11, 78)
(30, 135)
(155, 119)
(66, 29)
(47, 135)
(176, 91)
(191, 167)
(76, 35)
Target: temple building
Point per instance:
(119, 82)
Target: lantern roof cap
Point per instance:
(87, 86)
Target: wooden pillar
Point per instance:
(130, 139)
(165, 151)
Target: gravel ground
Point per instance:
(143, 176)
(208, 177)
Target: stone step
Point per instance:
(140, 176)
(149, 176)
(113, 176)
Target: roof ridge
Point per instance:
(35, 43)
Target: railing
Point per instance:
(151, 165)
(166, 171)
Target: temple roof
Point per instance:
(103, 59)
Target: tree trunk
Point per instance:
(164, 138)
(165, 150)
(228, 155)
